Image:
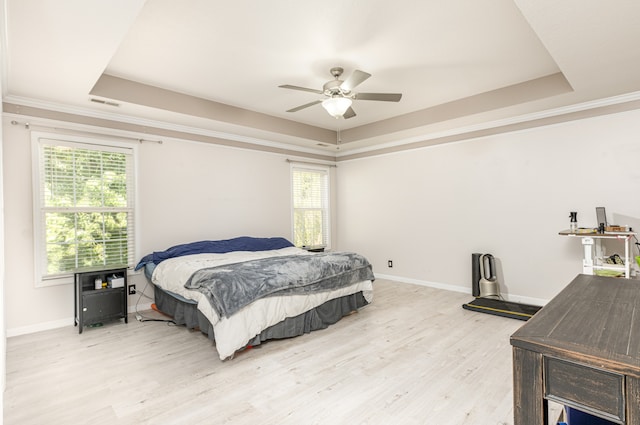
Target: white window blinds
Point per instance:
(85, 206)
(310, 191)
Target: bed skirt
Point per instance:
(185, 312)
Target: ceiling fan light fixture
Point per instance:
(336, 106)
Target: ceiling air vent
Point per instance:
(104, 102)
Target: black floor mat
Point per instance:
(502, 308)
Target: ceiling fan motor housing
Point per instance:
(332, 88)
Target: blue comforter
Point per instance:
(242, 243)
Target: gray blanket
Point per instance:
(234, 286)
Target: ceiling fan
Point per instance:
(339, 94)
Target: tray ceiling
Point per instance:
(216, 66)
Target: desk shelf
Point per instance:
(592, 251)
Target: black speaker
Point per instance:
(475, 274)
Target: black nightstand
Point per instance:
(93, 305)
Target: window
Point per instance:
(84, 206)
(310, 191)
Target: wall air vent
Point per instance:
(104, 102)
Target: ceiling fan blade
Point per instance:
(287, 86)
(356, 78)
(306, 105)
(350, 113)
(385, 97)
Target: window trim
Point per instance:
(312, 167)
(37, 139)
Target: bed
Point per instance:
(241, 292)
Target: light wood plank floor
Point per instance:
(413, 356)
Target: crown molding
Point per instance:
(576, 111)
(149, 125)
(567, 113)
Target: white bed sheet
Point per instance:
(233, 333)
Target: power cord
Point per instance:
(142, 318)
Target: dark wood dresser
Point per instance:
(581, 350)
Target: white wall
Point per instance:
(193, 191)
(186, 191)
(428, 210)
(3, 330)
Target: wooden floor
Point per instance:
(413, 356)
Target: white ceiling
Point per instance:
(216, 66)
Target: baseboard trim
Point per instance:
(56, 324)
(462, 289)
(437, 285)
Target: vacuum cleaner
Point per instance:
(486, 290)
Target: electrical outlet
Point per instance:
(132, 289)
(390, 263)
